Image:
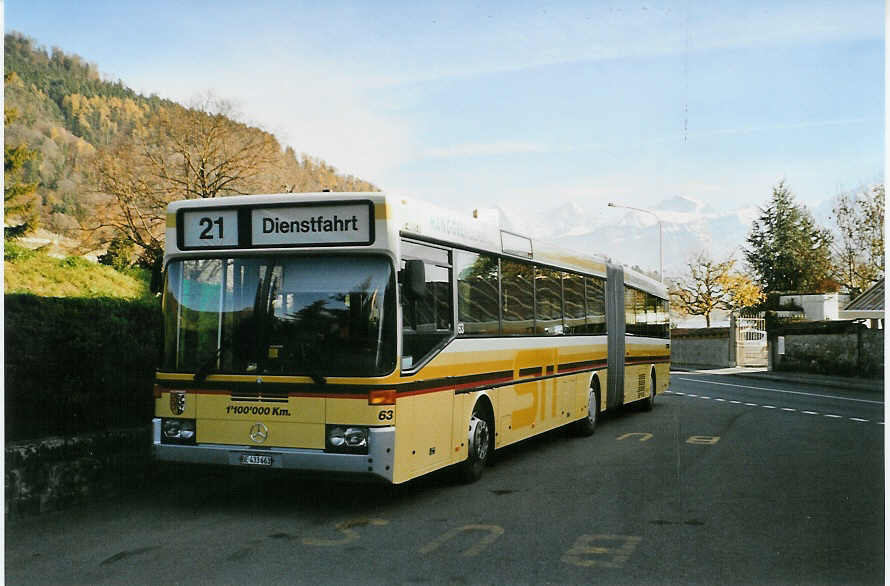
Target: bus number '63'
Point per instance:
(385, 415)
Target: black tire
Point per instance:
(480, 440)
(585, 427)
(649, 403)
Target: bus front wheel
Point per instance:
(481, 444)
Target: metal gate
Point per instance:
(750, 341)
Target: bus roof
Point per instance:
(426, 221)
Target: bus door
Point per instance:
(615, 330)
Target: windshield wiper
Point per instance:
(205, 367)
(310, 357)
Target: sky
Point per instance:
(522, 105)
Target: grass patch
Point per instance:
(29, 271)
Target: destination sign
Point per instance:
(307, 225)
(324, 224)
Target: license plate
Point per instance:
(255, 460)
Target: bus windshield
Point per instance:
(324, 315)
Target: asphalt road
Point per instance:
(728, 480)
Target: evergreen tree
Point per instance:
(19, 201)
(786, 250)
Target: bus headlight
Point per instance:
(351, 439)
(178, 431)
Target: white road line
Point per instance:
(676, 393)
(788, 409)
(708, 382)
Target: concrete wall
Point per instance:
(58, 472)
(701, 348)
(838, 348)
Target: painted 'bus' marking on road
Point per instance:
(644, 437)
(346, 528)
(598, 550)
(709, 382)
(703, 440)
(492, 533)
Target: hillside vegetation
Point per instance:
(74, 120)
(36, 273)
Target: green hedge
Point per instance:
(78, 364)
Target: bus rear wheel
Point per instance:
(587, 426)
(481, 444)
(649, 402)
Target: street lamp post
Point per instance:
(657, 219)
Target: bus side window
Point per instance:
(548, 302)
(595, 295)
(573, 293)
(477, 293)
(426, 320)
(630, 318)
(517, 298)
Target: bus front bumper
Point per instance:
(378, 462)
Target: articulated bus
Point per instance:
(379, 336)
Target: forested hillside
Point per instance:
(79, 126)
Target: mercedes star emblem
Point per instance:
(259, 433)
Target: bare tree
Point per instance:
(178, 154)
(859, 246)
(709, 285)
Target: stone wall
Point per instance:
(701, 348)
(57, 472)
(838, 348)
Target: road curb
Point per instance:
(836, 382)
(876, 386)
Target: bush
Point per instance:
(78, 364)
(13, 252)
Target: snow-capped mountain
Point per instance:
(630, 237)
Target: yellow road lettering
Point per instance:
(492, 532)
(605, 551)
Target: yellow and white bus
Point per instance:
(370, 334)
